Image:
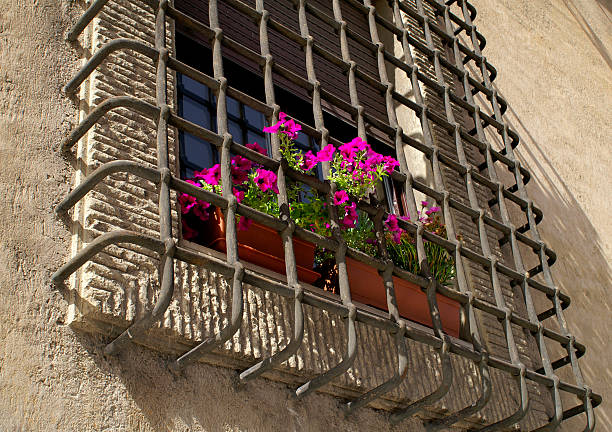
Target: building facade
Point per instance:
(198, 338)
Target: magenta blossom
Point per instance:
(432, 210)
(390, 164)
(350, 217)
(200, 210)
(256, 147)
(282, 118)
(266, 180)
(391, 223)
(326, 154)
(424, 203)
(340, 197)
(212, 176)
(309, 162)
(238, 194)
(291, 129)
(187, 203)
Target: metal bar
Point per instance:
(283, 202)
(230, 212)
(85, 19)
(166, 277)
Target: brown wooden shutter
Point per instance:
(288, 53)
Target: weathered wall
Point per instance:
(53, 378)
(555, 70)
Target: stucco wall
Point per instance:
(53, 378)
(555, 70)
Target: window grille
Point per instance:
(448, 27)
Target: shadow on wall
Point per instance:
(581, 270)
(606, 6)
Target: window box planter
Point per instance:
(261, 246)
(367, 287)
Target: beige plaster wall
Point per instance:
(555, 70)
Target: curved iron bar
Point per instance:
(393, 382)
(100, 55)
(100, 174)
(90, 13)
(100, 243)
(130, 102)
(437, 394)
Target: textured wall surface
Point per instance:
(55, 378)
(555, 71)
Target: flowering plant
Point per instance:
(401, 245)
(354, 167)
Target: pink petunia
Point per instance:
(187, 202)
(309, 162)
(424, 203)
(266, 180)
(391, 223)
(350, 217)
(200, 210)
(256, 147)
(291, 129)
(213, 175)
(238, 194)
(282, 119)
(340, 197)
(326, 154)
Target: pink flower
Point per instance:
(350, 217)
(309, 162)
(188, 233)
(390, 164)
(350, 149)
(340, 197)
(187, 203)
(326, 154)
(391, 223)
(266, 180)
(291, 129)
(244, 223)
(282, 118)
(397, 237)
(256, 147)
(424, 203)
(200, 210)
(432, 210)
(238, 194)
(212, 175)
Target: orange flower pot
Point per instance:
(367, 287)
(262, 246)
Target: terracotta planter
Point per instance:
(262, 246)
(367, 287)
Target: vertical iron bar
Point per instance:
(166, 278)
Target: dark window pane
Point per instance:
(256, 137)
(254, 118)
(196, 112)
(236, 131)
(233, 107)
(197, 152)
(194, 87)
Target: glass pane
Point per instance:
(194, 87)
(256, 137)
(198, 152)
(236, 131)
(196, 112)
(254, 118)
(233, 107)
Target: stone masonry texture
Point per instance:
(54, 376)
